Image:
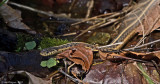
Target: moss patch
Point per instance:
(50, 42)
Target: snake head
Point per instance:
(48, 51)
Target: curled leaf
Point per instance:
(79, 55)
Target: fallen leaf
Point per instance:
(30, 45)
(151, 20)
(135, 19)
(111, 73)
(33, 79)
(156, 53)
(130, 55)
(79, 55)
(13, 18)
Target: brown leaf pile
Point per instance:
(79, 55)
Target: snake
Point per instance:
(60, 48)
(57, 49)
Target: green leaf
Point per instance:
(146, 76)
(51, 62)
(44, 63)
(30, 45)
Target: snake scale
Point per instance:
(57, 49)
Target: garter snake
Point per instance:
(124, 37)
(57, 49)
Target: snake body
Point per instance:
(60, 48)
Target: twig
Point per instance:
(99, 25)
(31, 9)
(143, 45)
(110, 22)
(102, 23)
(91, 27)
(69, 34)
(141, 25)
(90, 6)
(157, 19)
(119, 13)
(73, 79)
(110, 45)
(52, 74)
(107, 14)
(72, 4)
(59, 17)
(156, 66)
(92, 18)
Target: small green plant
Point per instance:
(145, 74)
(49, 63)
(22, 40)
(30, 45)
(49, 42)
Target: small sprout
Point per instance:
(49, 63)
(30, 45)
(44, 63)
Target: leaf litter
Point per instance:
(120, 67)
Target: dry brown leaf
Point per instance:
(79, 55)
(33, 79)
(13, 18)
(130, 55)
(156, 53)
(107, 73)
(112, 56)
(151, 20)
(136, 18)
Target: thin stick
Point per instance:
(157, 19)
(52, 74)
(90, 6)
(156, 66)
(143, 45)
(110, 45)
(31, 9)
(88, 19)
(141, 25)
(72, 4)
(91, 27)
(43, 12)
(73, 79)
(112, 15)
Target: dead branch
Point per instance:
(57, 16)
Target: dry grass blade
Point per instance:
(132, 20)
(143, 45)
(102, 21)
(90, 28)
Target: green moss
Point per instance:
(44, 43)
(22, 39)
(50, 42)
